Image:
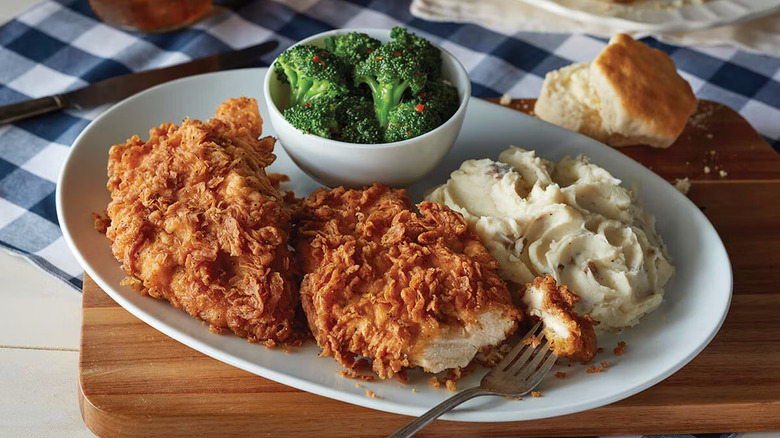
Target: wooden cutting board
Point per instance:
(135, 381)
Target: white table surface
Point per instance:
(39, 342)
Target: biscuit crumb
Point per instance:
(599, 350)
(620, 349)
(707, 169)
(536, 394)
(358, 385)
(519, 398)
(414, 390)
(371, 394)
(505, 99)
(604, 365)
(683, 185)
(434, 382)
(560, 375)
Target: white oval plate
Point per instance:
(660, 15)
(697, 298)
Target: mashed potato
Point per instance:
(571, 220)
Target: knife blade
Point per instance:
(119, 87)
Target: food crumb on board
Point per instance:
(370, 393)
(723, 173)
(414, 390)
(604, 365)
(683, 185)
(707, 169)
(358, 385)
(560, 375)
(709, 135)
(702, 118)
(620, 349)
(536, 393)
(505, 99)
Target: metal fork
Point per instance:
(516, 375)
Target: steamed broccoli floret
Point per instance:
(311, 72)
(359, 123)
(440, 97)
(427, 111)
(403, 65)
(317, 116)
(353, 47)
(403, 97)
(349, 119)
(409, 120)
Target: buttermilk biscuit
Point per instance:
(630, 94)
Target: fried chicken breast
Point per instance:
(195, 220)
(401, 289)
(571, 335)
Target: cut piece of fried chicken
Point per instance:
(195, 220)
(404, 290)
(571, 335)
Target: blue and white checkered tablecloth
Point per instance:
(59, 45)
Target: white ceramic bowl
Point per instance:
(335, 163)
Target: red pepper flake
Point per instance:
(307, 104)
(331, 130)
(420, 107)
(370, 50)
(422, 94)
(316, 58)
(397, 53)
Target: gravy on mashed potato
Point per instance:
(571, 220)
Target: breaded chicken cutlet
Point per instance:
(401, 289)
(571, 335)
(194, 220)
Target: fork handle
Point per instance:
(438, 410)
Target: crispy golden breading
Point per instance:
(572, 336)
(384, 283)
(195, 220)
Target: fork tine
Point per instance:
(526, 358)
(523, 358)
(514, 355)
(530, 367)
(537, 375)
